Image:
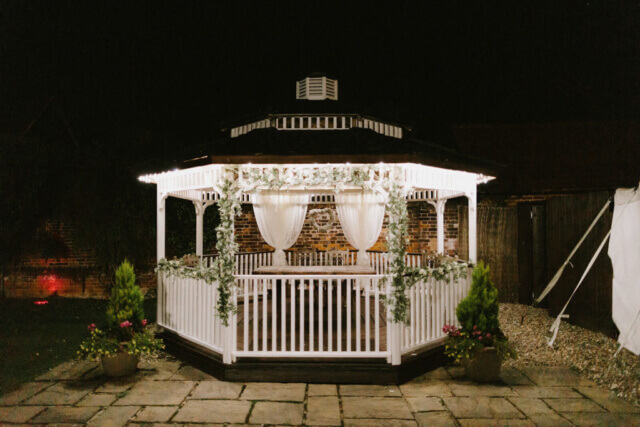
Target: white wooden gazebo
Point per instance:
(231, 313)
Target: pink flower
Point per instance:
(488, 335)
(475, 327)
(91, 327)
(144, 322)
(125, 324)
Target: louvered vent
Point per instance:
(317, 89)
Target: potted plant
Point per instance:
(127, 335)
(479, 343)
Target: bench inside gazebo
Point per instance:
(321, 316)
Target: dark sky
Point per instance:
(181, 67)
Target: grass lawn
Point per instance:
(35, 338)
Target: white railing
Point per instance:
(433, 305)
(247, 262)
(310, 316)
(186, 306)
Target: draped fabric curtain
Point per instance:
(280, 216)
(361, 216)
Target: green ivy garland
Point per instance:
(253, 179)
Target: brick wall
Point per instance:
(72, 273)
(422, 231)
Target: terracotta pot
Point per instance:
(484, 367)
(120, 364)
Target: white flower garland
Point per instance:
(313, 216)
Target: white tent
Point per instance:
(624, 251)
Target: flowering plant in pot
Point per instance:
(479, 343)
(127, 335)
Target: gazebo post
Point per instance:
(200, 207)
(160, 249)
(473, 245)
(440, 204)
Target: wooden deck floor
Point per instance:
(262, 339)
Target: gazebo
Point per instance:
(335, 316)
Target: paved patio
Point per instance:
(175, 393)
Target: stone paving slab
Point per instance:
(98, 399)
(66, 414)
(574, 405)
(435, 419)
(156, 414)
(216, 390)
(597, 419)
(425, 404)
(546, 392)
(157, 393)
(114, 416)
(62, 393)
(118, 385)
(531, 406)
(189, 373)
(322, 390)
(512, 376)
(289, 392)
(480, 390)
(19, 414)
(277, 413)
(323, 411)
(481, 407)
(551, 420)
(26, 391)
(555, 376)
(213, 411)
(370, 390)
(606, 400)
(471, 422)
(376, 407)
(379, 423)
(71, 370)
(432, 388)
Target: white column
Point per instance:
(473, 231)
(160, 224)
(200, 207)
(160, 252)
(440, 222)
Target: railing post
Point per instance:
(396, 355)
(160, 252)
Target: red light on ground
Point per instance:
(43, 302)
(50, 283)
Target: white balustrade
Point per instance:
(309, 315)
(187, 307)
(432, 305)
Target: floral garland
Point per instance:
(397, 240)
(313, 215)
(447, 271)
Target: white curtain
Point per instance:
(280, 216)
(361, 216)
(624, 251)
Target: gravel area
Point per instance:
(586, 351)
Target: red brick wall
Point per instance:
(422, 231)
(72, 274)
(75, 274)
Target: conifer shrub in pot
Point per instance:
(126, 335)
(479, 344)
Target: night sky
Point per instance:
(180, 68)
